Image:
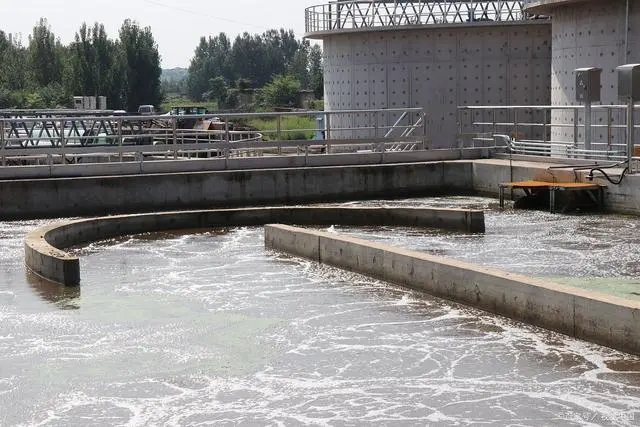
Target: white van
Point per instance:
(146, 110)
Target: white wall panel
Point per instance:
(438, 69)
(591, 34)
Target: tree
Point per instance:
(83, 59)
(97, 65)
(14, 64)
(218, 90)
(248, 59)
(251, 59)
(46, 73)
(299, 65)
(212, 59)
(6, 49)
(316, 73)
(45, 55)
(197, 81)
(142, 65)
(282, 91)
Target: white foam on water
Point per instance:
(211, 328)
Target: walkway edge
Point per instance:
(594, 317)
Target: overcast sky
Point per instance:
(177, 25)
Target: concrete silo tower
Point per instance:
(589, 33)
(431, 54)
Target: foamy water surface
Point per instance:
(210, 328)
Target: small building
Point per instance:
(90, 103)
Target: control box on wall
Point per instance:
(629, 82)
(588, 84)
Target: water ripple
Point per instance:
(209, 327)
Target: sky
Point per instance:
(177, 25)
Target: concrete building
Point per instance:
(589, 33)
(435, 55)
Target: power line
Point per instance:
(199, 13)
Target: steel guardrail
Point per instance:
(352, 15)
(477, 126)
(34, 137)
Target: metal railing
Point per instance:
(340, 15)
(533, 130)
(35, 138)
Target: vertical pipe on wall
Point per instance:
(587, 126)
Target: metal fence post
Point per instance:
(2, 142)
(575, 127)
(328, 132)
(493, 119)
(424, 129)
(587, 126)
(609, 127)
(174, 131)
(63, 142)
(327, 123)
(630, 134)
(120, 140)
(279, 127)
(544, 125)
(376, 124)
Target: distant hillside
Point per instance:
(174, 74)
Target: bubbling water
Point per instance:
(209, 327)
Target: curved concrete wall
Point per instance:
(437, 68)
(589, 34)
(45, 257)
(602, 319)
(67, 197)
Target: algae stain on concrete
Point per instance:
(622, 287)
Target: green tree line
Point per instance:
(44, 73)
(274, 60)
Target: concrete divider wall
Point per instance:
(195, 189)
(23, 199)
(601, 319)
(44, 256)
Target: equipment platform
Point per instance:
(595, 192)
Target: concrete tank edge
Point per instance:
(590, 316)
(44, 247)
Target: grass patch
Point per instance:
(291, 127)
